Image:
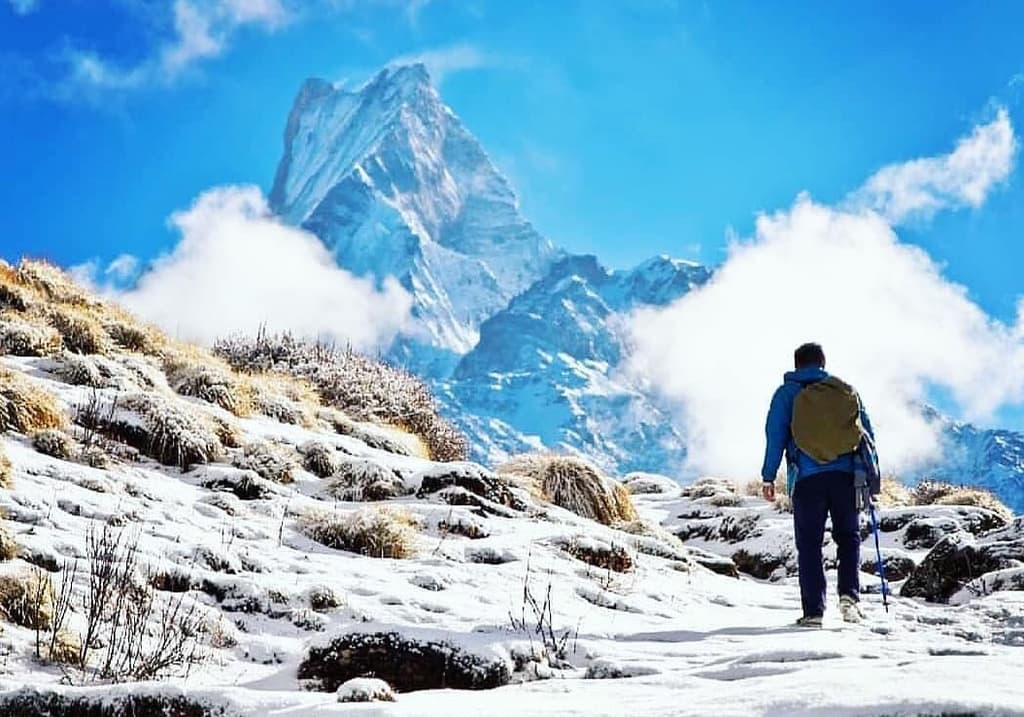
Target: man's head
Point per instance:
(809, 356)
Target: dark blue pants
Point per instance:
(814, 499)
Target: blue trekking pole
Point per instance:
(878, 552)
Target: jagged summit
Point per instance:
(390, 179)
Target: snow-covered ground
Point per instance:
(666, 637)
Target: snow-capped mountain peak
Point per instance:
(392, 181)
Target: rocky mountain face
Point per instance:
(521, 341)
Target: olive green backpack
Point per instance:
(826, 420)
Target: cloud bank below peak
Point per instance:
(237, 268)
(889, 320)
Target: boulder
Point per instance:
(405, 663)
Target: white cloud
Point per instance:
(202, 29)
(890, 323)
(445, 61)
(963, 178)
(236, 268)
(24, 7)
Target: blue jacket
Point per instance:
(779, 437)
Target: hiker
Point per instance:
(822, 426)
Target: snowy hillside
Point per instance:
(225, 543)
(389, 178)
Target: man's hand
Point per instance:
(768, 491)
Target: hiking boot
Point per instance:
(809, 621)
(849, 608)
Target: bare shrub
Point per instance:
(365, 389)
(137, 634)
(361, 479)
(26, 599)
(318, 458)
(23, 338)
(25, 407)
(267, 461)
(931, 492)
(537, 620)
(574, 484)
(54, 443)
(376, 533)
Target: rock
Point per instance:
(28, 702)
(760, 565)
(715, 563)
(471, 478)
(407, 664)
(925, 533)
(958, 559)
(897, 565)
(650, 484)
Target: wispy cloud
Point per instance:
(236, 268)
(24, 7)
(201, 30)
(890, 322)
(962, 178)
(443, 62)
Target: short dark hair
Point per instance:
(809, 355)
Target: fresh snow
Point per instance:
(667, 638)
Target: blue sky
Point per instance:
(629, 128)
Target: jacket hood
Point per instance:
(804, 376)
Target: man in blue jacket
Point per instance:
(817, 490)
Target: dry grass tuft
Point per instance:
(376, 533)
(26, 599)
(931, 492)
(80, 330)
(365, 389)
(574, 484)
(191, 373)
(6, 471)
(318, 458)
(54, 443)
(268, 461)
(894, 494)
(25, 407)
(65, 650)
(8, 547)
(53, 283)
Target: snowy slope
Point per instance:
(666, 637)
(389, 178)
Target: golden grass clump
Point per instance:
(170, 433)
(26, 599)
(574, 484)
(66, 649)
(932, 492)
(318, 458)
(375, 533)
(894, 494)
(25, 407)
(362, 479)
